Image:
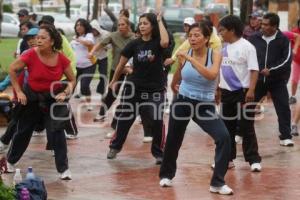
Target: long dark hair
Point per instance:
(87, 27)
(151, 17)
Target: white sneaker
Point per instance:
(221, 190)
(66, 175)
(165, 182)
(99, 118)
(167, 111)
(286, 143)
(89, 107)
(37, 133)
(147, 139)
(255, 167)
(71, 137)
(238, 139)
(109, 135)
(3, 147)
(230, 165)
(10, 167)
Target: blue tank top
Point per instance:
(194, 85)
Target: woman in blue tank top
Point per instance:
(198, 72)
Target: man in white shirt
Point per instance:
(238, 77)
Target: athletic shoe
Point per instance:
(112, 154)
(294, 131)
(230, 165)
(221, 190)
(3, 147)
(10, 168)
(66, 175)
(255, 167)
(99, 118)
(147, 139)
(292, 100)
(165, 182)
(238, 139)
(286, 143)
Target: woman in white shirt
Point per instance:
(82, 42)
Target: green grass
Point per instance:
(7, 49)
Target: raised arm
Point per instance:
(164, 37)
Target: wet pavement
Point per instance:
(133, 174)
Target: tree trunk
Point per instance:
(273, 6)
(246, 10)
(67, 4)
(41, 3)
(95, 9)
(230, 7)
(1, 16)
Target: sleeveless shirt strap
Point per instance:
(189, 53)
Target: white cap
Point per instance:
(95, 25)
(189, 20)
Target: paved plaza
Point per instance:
(134, 175)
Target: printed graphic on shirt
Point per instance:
(228, 73)
(146, 56)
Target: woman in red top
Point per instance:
(40, 95)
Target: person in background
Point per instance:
(253, 26)
(118, 40)
(23, 15)
(274, 55)
(36, 97)
(146, 92)
(238, 77)
(82, 43)
(22, 45)
(197, 75)
(33, 19)
(123, 13)
(101, 55)
(295, 66)
(30, 38)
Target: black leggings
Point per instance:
(85, 76)
(149, 105)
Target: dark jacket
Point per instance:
(276, 56)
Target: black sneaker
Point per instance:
(77, 96)
(158, 160)
(112, 154)
(292, 100)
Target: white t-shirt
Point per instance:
(81, 51)
(238, 59)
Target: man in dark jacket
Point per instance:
(274, 59)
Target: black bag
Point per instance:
(36, 188)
